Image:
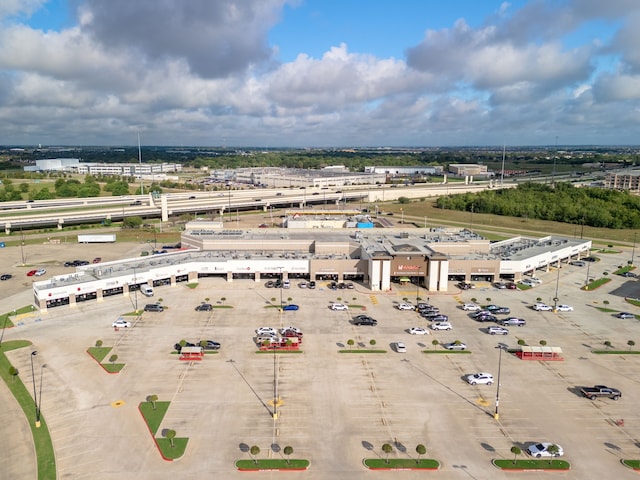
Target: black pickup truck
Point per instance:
(601, 391)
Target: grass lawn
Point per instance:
(448, 351)
(113, 367)
(153, 418)
(596, 284)
(635, 464)
(362, 351)
(616, 352)
(99, 353)
(403, 463)
(5, 320)
(532, 464)
(272, 464)
(279, 351)
(45, 456)
(171, 453)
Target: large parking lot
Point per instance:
(337, 409)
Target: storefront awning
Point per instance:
(405, 279)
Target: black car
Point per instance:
(5, 276)
(463, 285)
(311, 284)
(497, 309)
(486, 318)
(177, 347)
(153, 307)
(204, 307)
(364, 320)
(210, 345)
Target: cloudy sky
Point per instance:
(317, 73)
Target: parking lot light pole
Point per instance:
(39, 406)
(555, 298)
(35, 397)
(496, 415)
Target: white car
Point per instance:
(441, 326)
(120, 323)
(542, 307)
(290, 329)
(564, 308)
(497, 330)
(471, 307)
(266, 331)
(542, 450)
(528, 283)
(401, 347)
(338, 306)
(418, 331)
(405, 306)
(457, 345)
(535, 280)
(479, 378)
(40, 272)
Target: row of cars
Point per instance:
(273, 338)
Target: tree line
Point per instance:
(560, 202)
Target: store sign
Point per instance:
(408, 268)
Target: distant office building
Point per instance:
(73, 165)
(53, 165)
(468, 169)
(276, 177)
(405, 171)
(623, 181)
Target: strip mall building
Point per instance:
(374, 258)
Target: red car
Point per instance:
(97, 260)
(31, 273)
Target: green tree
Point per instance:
(553, 450)
(24, 187)
(13, 371)
(372, 342)
(98, 343)
(607, 343)
(521, 342)
(152, 399)
(288, 450)
(255, 450)
(631, 343)
(403, 200)
(387, 448)
(543, 342)
(435, 343)
(420, 450)
(170, 434)
(223, 299)
(516, 451)
(132, 222)
(351, 343)
(113, 358)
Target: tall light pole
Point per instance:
(633, 250)
(4, 326)
(229, 189)
(496, 415)
(35, 396)
(586, 282)
(555, 298)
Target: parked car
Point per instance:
(628, 274)
(511, 286)
(350, 286)
(292, 307)
(625, 315)
(457, 345)
(513, 321)
(535, 280)
(209, 345)
(204, 307)
(97, 260)
(481, 378)
(6, 276)
(471, 307)
(286, 284)
(497, 330)
(266, 331)
(486, 318)
(500, 285)
(290, 329)
(178, 346)
(465, 285)
(338, 306)
(311, 284)
(542, 450)
(528, 283)
(418, 331)
(121, 323)
(441, 326)
(401, 347)
(364, 320)
(564, 308)
(425, 306)
(481, 313)
(153, 307)
(542, 307)
(440, 317)
(40, 272)
(577, 263)
(405, 306)
(270, 284)
(496, 309)
(601, 391)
